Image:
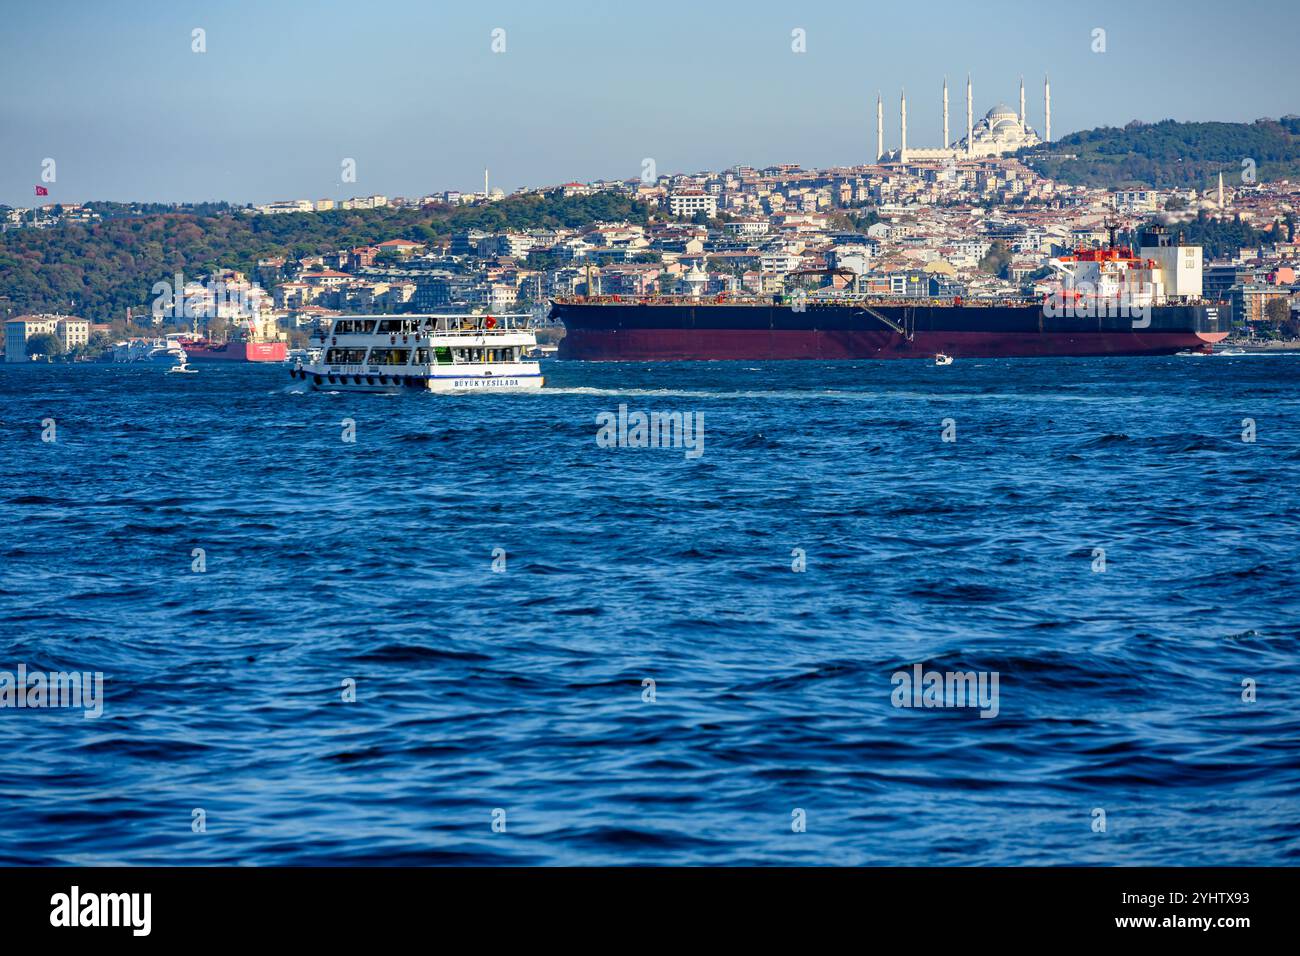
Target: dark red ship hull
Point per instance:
(602, 331)
(643, 345)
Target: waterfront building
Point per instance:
(71, 331)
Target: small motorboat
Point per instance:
(182, 368)
(942, 359)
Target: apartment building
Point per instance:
(691, 202)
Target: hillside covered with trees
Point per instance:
(1221, 237)
(1171, 154)
(101, 269)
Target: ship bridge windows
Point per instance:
(389, 356)
(340, 356)
(398, 326)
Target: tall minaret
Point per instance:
(970, 121)
(902, 120)
(1047, 105)
(880, 127)
(1022, 104)
(945, 113)
(1220, 190)
(486, 194)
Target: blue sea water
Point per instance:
(524, 690)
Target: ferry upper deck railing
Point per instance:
(410, 323)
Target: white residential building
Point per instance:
(691, 202)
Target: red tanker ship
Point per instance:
(202, 351)
(255, 342)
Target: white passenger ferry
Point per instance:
(438, 353)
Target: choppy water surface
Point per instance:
(524, 690)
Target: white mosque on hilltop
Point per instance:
(1000, 132)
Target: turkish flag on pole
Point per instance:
(42, 191)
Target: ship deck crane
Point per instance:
(907, 329)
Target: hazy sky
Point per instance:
(584, 90)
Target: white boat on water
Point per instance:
(303, 356)
(436, 353)
(168, 353)
(162, 351)
(942, 359)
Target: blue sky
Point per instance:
(413, 92)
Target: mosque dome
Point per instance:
(1000, 132)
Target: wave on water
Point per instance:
(352, 651)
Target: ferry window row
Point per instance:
(354, 326)
(440, 355)
(486, 355)
(404, 326)
(345, 357)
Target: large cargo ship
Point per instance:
(664, 330)
(1109, 302)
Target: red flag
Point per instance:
(42, 191)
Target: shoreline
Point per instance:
(1248, 346)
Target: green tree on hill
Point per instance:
(43, 343)
(1277, 311)
(1220, 238)
(112, 265)
(1169, 153)
(997, 260)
